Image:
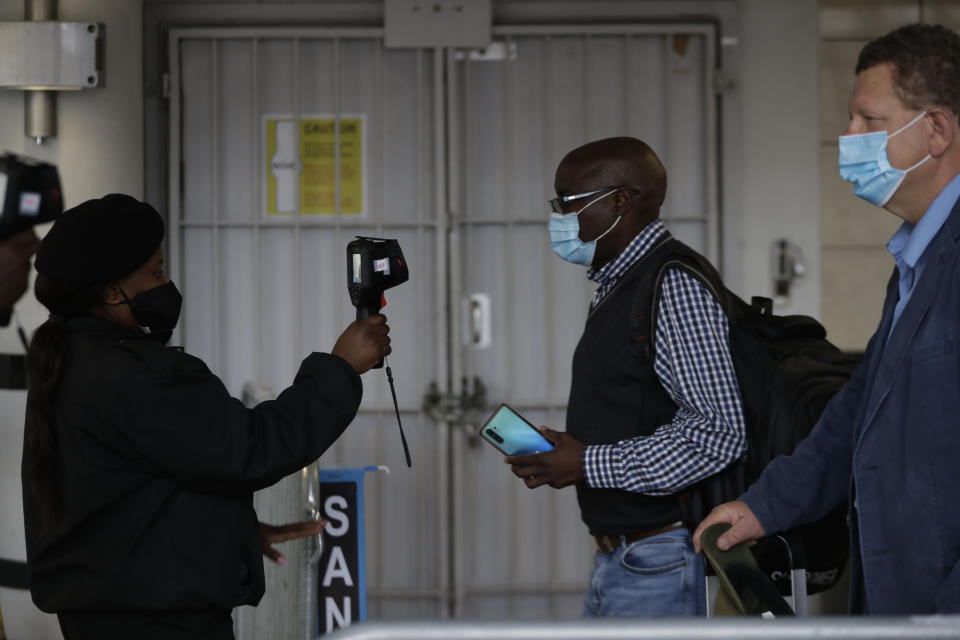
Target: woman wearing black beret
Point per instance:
(138, 467)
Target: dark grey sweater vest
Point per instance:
(613, 397)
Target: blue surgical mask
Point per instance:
(565, 235)
(863, 161)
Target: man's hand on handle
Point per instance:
(271, 535)
(364, 343)
(744, 525)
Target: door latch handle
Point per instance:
(314, 513)
(476, 321)
(311, 487)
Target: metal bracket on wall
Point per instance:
(458, 408)
(722, 82)
(41, 55)
(496, 51)
(437, 23)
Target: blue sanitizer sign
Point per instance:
(342, 568)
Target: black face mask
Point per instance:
(156, 310)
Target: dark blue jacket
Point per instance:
(890, 441)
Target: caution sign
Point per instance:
(315, 165)
(342, 568)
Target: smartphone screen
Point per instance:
(511, 434)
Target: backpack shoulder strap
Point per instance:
(642, 278)
(646, 301)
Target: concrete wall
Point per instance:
(770, 171)
(778, 119)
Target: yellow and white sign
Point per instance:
(302, 163)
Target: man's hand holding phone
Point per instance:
(561, 467)
(537, 456)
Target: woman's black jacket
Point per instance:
(157, 464)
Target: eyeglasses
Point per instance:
(556, 204)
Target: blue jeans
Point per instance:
(657, 576)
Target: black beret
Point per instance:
(100, 241)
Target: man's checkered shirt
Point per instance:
(694, 366)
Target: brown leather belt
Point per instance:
(608, 543)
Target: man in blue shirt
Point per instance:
(890, 440)
(637, 433)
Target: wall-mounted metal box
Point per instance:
(437, 23)
(51, 55)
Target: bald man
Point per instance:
(638, 432)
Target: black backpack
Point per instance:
(787, 372)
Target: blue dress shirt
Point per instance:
(909, 243)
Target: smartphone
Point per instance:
(511, 434)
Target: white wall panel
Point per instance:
(318, 82)
(568, 296)
(569, 99)
(197, 318)
(525, 312)
(279, 352)
(359, 76)
(690, 232)
(645, 77)
(484, 142)
(275, 75)
(604, 86)
(238, 148)
(321, 286)
(197, 161)
(526, 104)
(685, 124)
(237, 288)
(403, 133)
